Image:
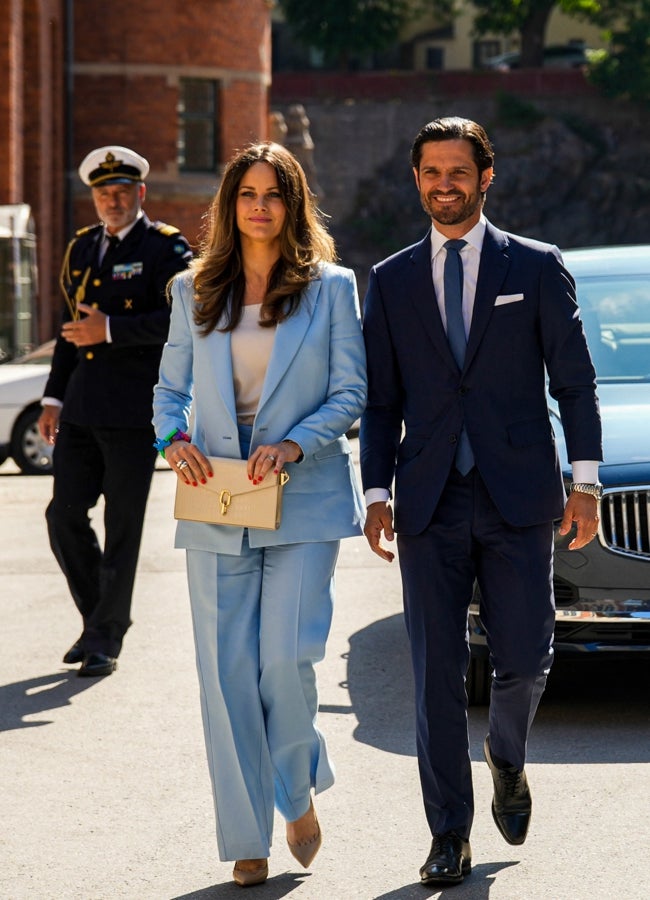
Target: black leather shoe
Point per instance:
(512, 803)
(75, 654)
(449, 860)
(97, 664)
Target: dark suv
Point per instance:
(602, 592)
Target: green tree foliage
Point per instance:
(529, 19)
(342, 29)
(625, 71)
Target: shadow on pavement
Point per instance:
(475, 887)
(593, 711)
(380, 685)
(35, 696)
(275, 888)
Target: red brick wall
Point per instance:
(126, 90)
(300, 87)
(126, 76)
(136, 111)
(127, 61)
(43, 146)
(11, 103)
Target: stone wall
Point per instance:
(572, 171)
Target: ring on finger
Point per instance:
(182, 464)
(272, 458)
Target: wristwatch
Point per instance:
(596, 490)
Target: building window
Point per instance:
(198, 117)
(435, 58)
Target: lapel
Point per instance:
(289, 336)
(91, 249)
(493, 267)
(423, 297)
(219, 354)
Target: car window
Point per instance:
(616, 316)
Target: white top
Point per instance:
(251, 347)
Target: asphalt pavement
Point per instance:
(104, 790)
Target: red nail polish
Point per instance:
(203, 481)
(195, 484)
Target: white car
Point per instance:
(558, 56)
(22, 382)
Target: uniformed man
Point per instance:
(98, 398)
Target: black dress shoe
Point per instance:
(449, 860)
(97, 664)
(75, 654)
(512, 803)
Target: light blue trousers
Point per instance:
(261, 621)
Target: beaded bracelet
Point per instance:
(161, 444)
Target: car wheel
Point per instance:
(479, 680)
(30, 452)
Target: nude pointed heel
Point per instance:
(305, 851)
(254, 875)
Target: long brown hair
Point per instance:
(305, 243)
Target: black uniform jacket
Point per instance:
(111, 384)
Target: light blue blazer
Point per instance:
(314, 390)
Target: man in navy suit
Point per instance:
(461, 330)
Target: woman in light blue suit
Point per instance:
(265, 345)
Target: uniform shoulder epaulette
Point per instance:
(165, 229)
(87, 229)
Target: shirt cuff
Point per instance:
(51, 401)
(585, 471)
(109, 339)
(377, 495)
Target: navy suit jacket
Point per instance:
(525, 325)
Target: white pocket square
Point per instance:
(502, 299)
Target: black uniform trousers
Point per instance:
(90, 461)
(468, 539)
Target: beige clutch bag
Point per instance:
(229, 498)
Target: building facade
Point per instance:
(430, 42)
(183, 83)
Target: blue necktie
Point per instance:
(453, 284)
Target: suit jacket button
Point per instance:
(463, 390)
(90, 354)
(452, 439)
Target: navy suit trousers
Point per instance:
(466, 540)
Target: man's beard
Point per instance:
(452, 215)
